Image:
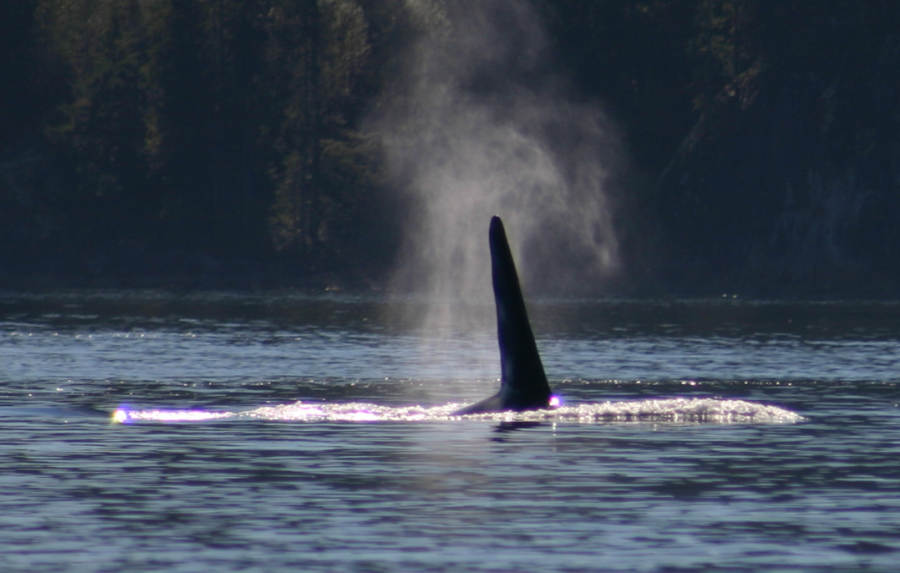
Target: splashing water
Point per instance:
(481, 126)
(675, 410)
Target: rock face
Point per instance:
(790, 180)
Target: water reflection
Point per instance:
(215, 337)
(652, 463)
(506, 427)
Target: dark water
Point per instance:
(676, 448)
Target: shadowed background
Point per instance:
(634, 147)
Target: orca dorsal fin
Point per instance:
(523, 384)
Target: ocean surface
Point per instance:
(150, 431)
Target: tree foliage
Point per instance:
(237, 127)
(789, 174)
(214, 124)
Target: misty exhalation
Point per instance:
(481, 124)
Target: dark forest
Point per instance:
(228, 143)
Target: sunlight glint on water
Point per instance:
(315, 434)
(677, 410)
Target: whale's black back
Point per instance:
(523, 384)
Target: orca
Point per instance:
(523, 384)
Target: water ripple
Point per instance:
(674, 410)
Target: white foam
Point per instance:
(673, 410)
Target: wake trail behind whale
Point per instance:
(673, 410)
